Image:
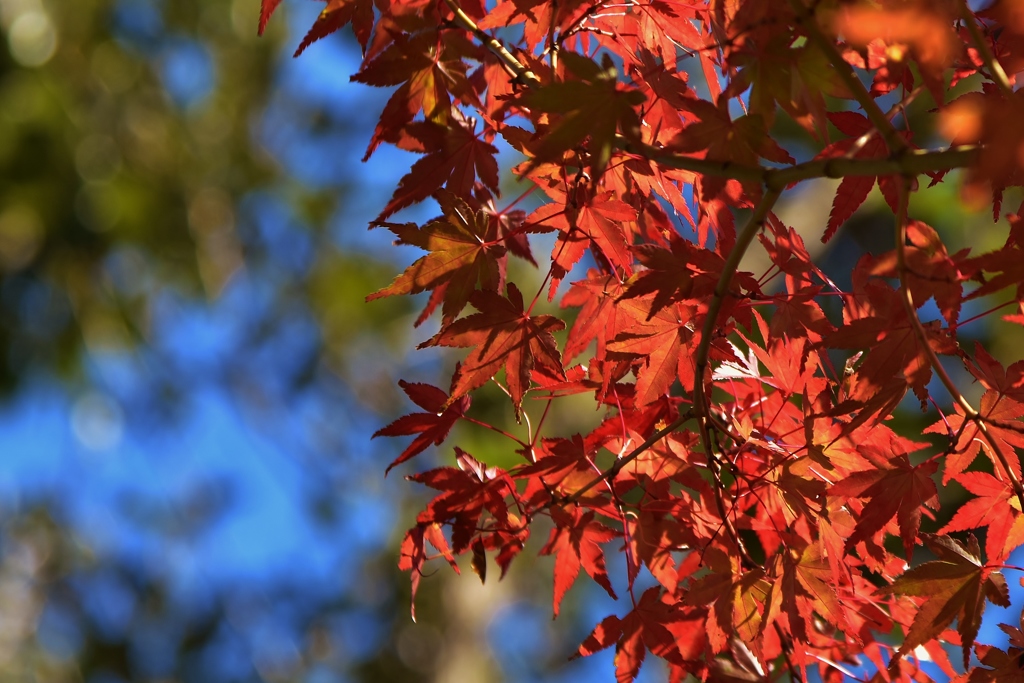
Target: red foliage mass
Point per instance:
(745, 455)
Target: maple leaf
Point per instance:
(954, 587)
(660, 339)
(334, 16)
(991, 510)
(922, 26)
(995, 408)
(576, 541)
(655, 534)
(558, 465)
(1005, 266)
(462, 255)
(931, 272)
(431, 427)
(595, 107)
(267, 8)
(853, 190)
(599, 316)
(986, 118)
(413, 555)
(540, 18)
(808, 574)
(671, 632)
(600, 221)
(795, 80)
(742, 141)
(1007, 381)
(900, 490)
(660, 27)
(875, 319)
(671, 272)
(429, 68)
(502, 334)
(467, 492)
(455, 158)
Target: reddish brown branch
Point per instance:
(998, 74)
(519, 70)
(806, 19)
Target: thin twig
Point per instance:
(912, 161)
(519, 70)
(998, 75)
(970, 414)
(630, 457)
(806, 19)
(743, 241)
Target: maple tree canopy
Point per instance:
(757, 479)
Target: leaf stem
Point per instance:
(970, 413)
(998, 74)
(497, 430)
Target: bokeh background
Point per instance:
(189, 375)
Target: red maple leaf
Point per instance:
(599, 222)
(502, 334)
(995, 408)
(672, 632)
(463, 254)
(715, 133)
(456, 158)
(595, 107)
(467, 492)
(900, 490)
(335, 16)
(576, 541)
(413, 554)
(954, 587)
(267, 8)
(660, 340)
(875, 319)
(1005, 266)
(431, 427)
(931, 272)
(429, 69)
(853, 190)
(599, 319)
(989, 510)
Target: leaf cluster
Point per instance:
(739, 460)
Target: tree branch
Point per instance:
(508, 60)
(912, 162)
(806, 19)
(700, 408)
(986, 51)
